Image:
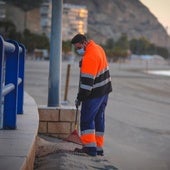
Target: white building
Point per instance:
(74, 19)
(2, 10)
(45, 15)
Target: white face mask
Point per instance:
(81, 51)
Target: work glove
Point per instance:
(77, 103)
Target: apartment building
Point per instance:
(2, 10)
(45, 17)
(74, 19)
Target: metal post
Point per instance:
(55, 54)
(21, 85)
(1, 79)
(10, 100)
(67, 81)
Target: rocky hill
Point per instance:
(110, 18)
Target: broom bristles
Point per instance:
(74, 137)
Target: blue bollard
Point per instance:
(21, 76)
(1, 80)
(11, 76)
(12, 61)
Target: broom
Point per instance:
(74, 136)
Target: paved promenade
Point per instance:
(138, 113)
(17, 147)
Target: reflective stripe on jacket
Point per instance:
(95, 80)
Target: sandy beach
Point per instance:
(137, 118)
(53, 153)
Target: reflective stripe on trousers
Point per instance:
(92, 121)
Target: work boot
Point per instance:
(88, 150)
(100, 153)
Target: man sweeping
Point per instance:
(95, 86)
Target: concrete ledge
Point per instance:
(17, 147)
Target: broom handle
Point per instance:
(76, 118)
(77, 107)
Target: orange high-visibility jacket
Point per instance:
(95, 80)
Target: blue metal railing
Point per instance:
(12, 61)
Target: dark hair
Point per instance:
(79, 38)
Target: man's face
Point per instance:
(78, 46)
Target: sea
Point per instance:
(160, 72)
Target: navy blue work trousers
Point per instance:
(93, 114)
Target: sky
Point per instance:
(161, 10)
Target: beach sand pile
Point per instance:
(53, 153)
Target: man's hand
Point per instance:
(80, 63)
(77, 103)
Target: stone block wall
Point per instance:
(57, 121)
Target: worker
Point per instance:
(95, 86)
